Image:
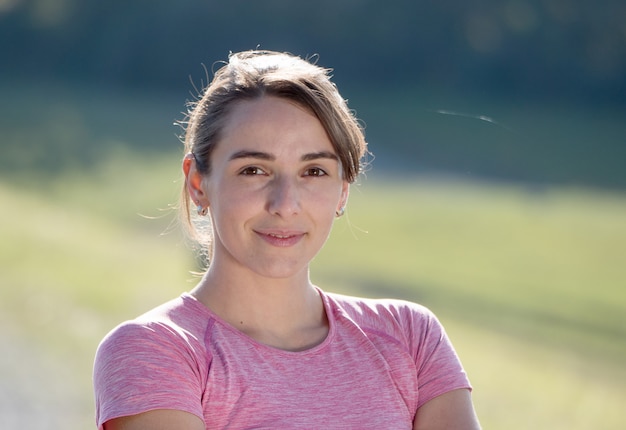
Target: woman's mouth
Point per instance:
(281, 239)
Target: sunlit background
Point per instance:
(496, 194)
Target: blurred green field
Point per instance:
(530, 283)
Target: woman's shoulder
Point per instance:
(381, 308)
(387, 322)
(409, 323)
(151, 357)
(180, 323)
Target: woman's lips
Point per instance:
(281, 239)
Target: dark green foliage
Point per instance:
(524, 90)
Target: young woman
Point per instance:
(271, 150)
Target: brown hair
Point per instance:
(250, 75)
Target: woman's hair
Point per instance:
(251, 75)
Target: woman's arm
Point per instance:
(162, 419)
(450, 411)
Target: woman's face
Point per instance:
(274, 188)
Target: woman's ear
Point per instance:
(343, 201)
(193, 180)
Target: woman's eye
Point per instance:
(251, 171)
(315, 171)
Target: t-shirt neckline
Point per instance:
(328, 308)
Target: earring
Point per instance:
(340, 212)
(202, 211)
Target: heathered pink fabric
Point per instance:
(381, 361)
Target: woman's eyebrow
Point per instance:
(318, 155)
(251, 154)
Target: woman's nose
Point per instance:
(284, 197)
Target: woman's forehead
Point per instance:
(274, 124)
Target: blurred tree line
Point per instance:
(562, 47)
(570, 50)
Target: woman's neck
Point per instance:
(283, 313)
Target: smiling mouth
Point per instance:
(281, 239)
(281, 236)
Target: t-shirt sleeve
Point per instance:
(144, 367)
(439, 369)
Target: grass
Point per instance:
(529, 285)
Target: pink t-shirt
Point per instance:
(381, 360)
